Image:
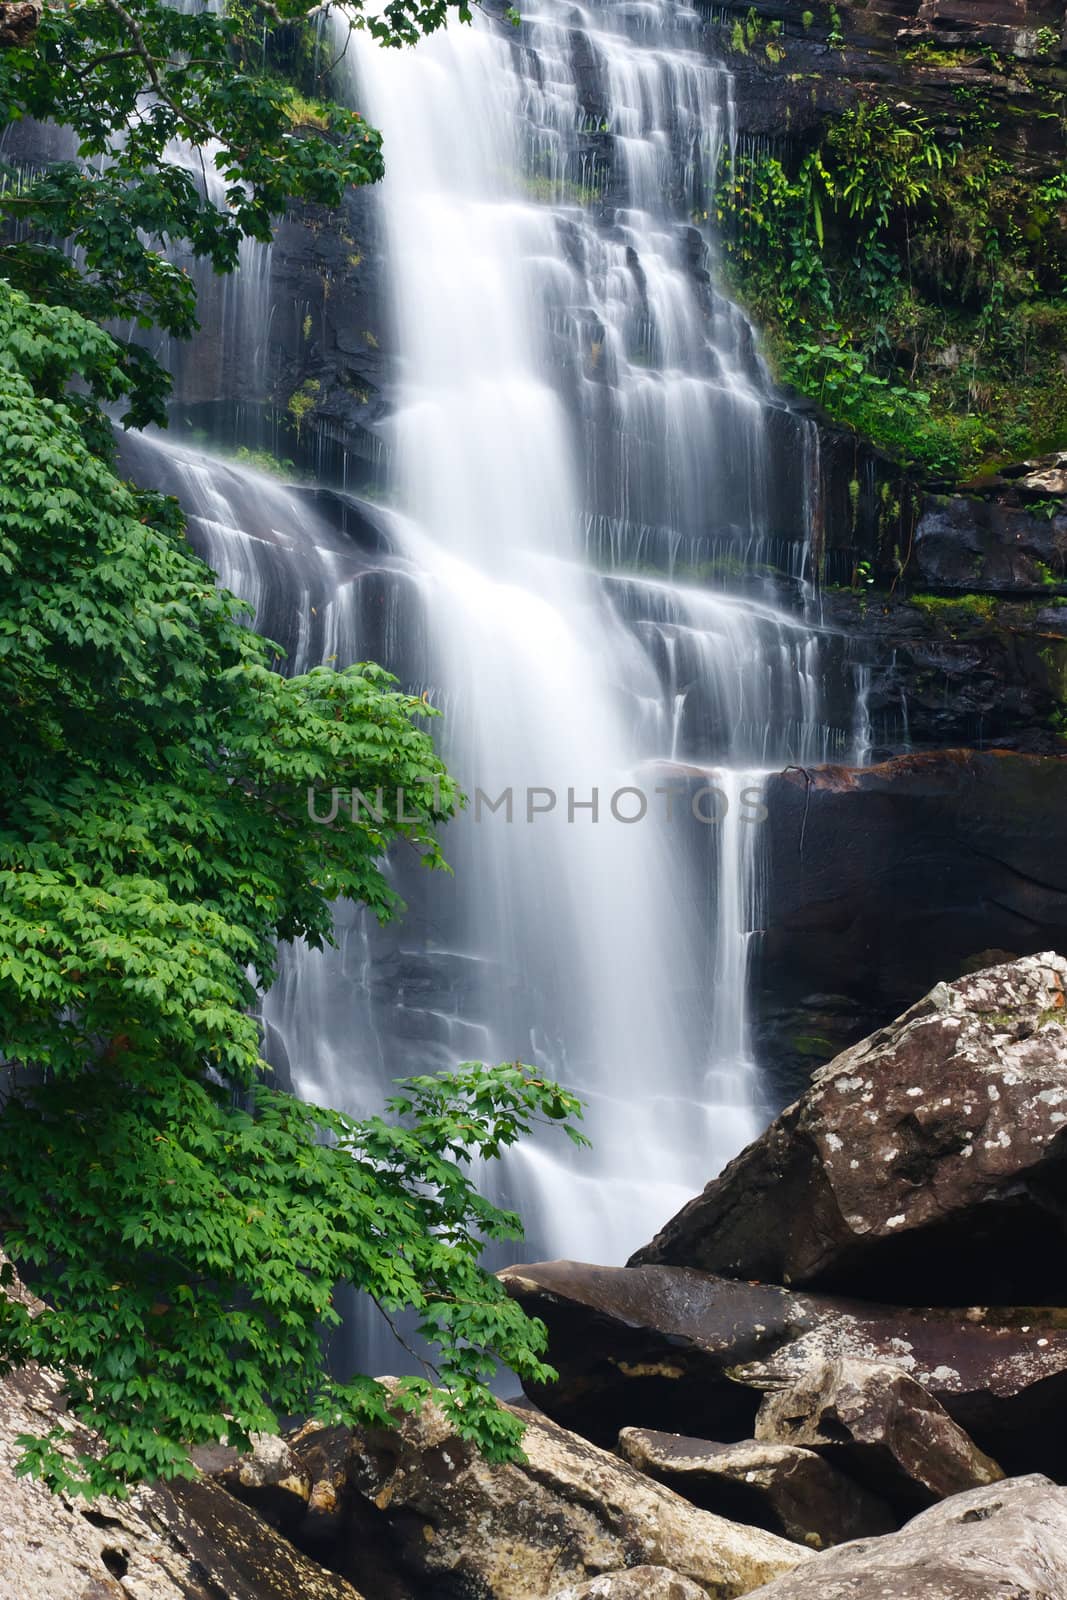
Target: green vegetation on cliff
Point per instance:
(912, 280)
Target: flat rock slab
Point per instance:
(881, 1427)
(1007, 1542)
(689, 1352)
(781, 1487)
(926, 1164)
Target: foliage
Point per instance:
(912, 281)
(180, 133)
(186, 1224)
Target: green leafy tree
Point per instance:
(184, 134)
(185, 1224)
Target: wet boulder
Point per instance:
(688, 1352)
(780, 1487)
(881, 1427)
(926, 1164)
(1005, 1542)
(427, 1516)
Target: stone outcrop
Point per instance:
(881, 1427)
(639, 1583)
(788, 1490)
(928, 1163)
(991, 545)
(1006, 1542)
(882, 880)
(189, 1541)
(670, 1348)
(423, 1514)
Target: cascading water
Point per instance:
(600, 506)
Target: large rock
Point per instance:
(1007, 1542)
(667, 1348)
(190, 1541)
(968, 544)
(882, 880)
(881, 1427)
(639, 1583)
(780, 1487)
(427, 1515)
(928, 1163)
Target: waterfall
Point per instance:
(599, 567)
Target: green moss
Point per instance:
(980, 607)
(812, 1044)
(302, 401)
(264, 461)
(559, 191)
(303, 112)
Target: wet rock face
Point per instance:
(668, 1348)
(881, 1427)
(928, 1163)
(788, 1490)
(451, 1527)
(881, 880)
(980, 545)
(1006, 1542)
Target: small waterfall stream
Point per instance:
(598, 566)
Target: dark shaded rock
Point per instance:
(788, 1490)
(639, 1583)
(237, 1554)
(1006, 1542)
(437, 1521)
(879, 1426)
(926, 1163)
(881, 880)
(989, 547)
(269, 1478)
(957, 670)
(668, 1348)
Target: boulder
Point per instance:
(639, 1583)
(927, 1163)
(881, 1427)
(1005, 1542)
(789, 1491)
(669, 1348)
(426, 1515)
(189, 1541)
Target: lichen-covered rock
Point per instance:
(437, 1520)
(639, 1583)
(668, 1348)
(1006, 1542)
(926, 1164)
(881, 1427)
(780, 1487)
(190, 1541)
